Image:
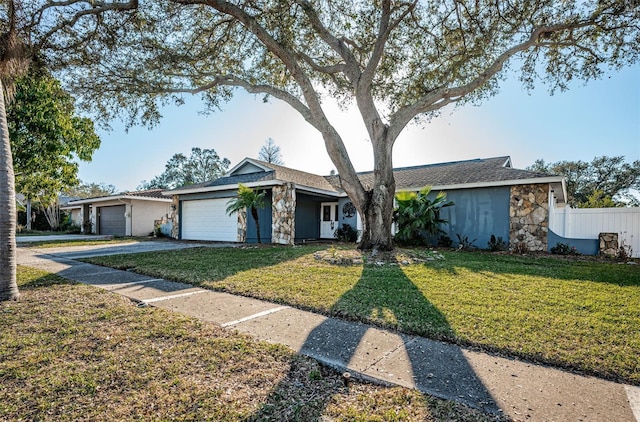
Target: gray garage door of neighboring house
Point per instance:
(111, 220)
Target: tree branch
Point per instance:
(97, 7)
(352, 67)
(441, 96)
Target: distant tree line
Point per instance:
(201, 166)
(604, 182)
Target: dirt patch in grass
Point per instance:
(399, 256)
(73, 352)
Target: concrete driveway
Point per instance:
(115, 248)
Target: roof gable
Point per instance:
(247, 166)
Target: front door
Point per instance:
(328, 219)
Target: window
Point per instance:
(326, 213)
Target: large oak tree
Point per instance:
(397, 61)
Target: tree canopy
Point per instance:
(47, 137)
(201, 166)
(90, 190)
(270, 152)
(604, 182)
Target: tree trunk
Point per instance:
(374, 203)
(377, 212)
(29, 225)
(254, 214)
(8, 284)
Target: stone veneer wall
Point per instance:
(529, 217)
(174, 217)
(242, 225)
(608, 244)
(283, 224)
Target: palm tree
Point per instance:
(247, 199)
(14, 62)
(417, 214)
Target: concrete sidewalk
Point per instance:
(523, 391)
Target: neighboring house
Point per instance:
(124, 214)
(491, 198)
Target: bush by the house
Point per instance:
(346, 233)
(445, 241)
(496, 244)
(564, 249)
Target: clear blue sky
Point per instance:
(600, 118)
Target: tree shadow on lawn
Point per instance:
(562, 268)
(198, 265)
(435, 368)
(45, 281)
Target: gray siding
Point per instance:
(353, 220)
(478, 214)
(584, 246)
(265, 217)
(307, 217)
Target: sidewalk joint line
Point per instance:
(131, 283)
(633, 395)
(389, 353)
(161, 298)
(254, 316)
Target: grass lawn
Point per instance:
(74, 352)
(578, 314)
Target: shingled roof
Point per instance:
(152, 194)
(272, 173)
(299, 177)
(468, 173)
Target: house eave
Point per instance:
(332, 194)
(217, 188)
(555, 181)
(261, 184)
(117, 198)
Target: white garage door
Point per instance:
(207, 219)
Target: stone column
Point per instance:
(608, 244)
(242, 225)
(283, 226)
(529, 217)
(174, 217)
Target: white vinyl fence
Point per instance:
(587, 223)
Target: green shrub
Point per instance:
(346, 233)
(464, 244)
(496, 244)
(445, 241)
(418, 216)
(564, 249)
